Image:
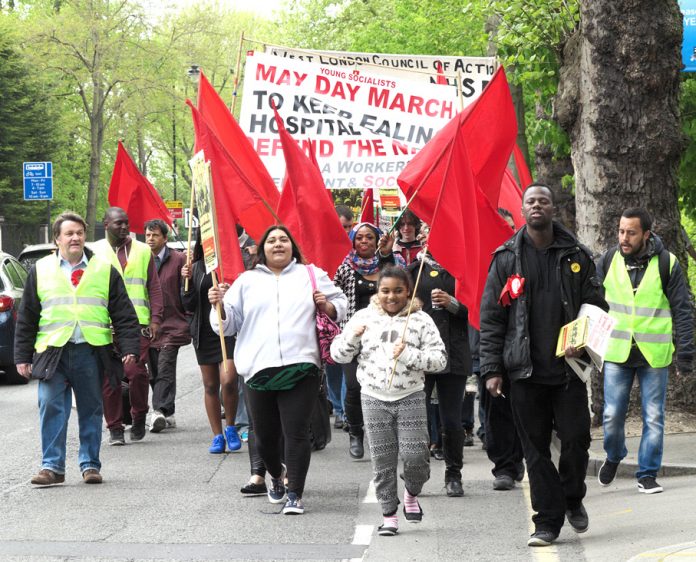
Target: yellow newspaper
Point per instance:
(591, 331)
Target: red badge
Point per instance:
(513, 288)
(76, 276)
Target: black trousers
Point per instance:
(538, 410)
(450, 393)
(352, 406)
(163, 378)
(503, 445)
(281, 421)
(256, 465)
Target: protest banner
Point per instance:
(203, 190)
(363, 127)
(202, 186)
(475, 72)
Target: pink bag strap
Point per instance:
(313, 279)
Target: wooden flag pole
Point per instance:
(218, 310)
(408, 315)
(236, 73)
(213, 212)
(190, 232)
(460, 87)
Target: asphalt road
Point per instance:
(166, 498)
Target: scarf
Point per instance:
(364, 266)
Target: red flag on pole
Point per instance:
(367, 209)
(490, 129)
(232, 195)
(511, 198)
(465, 227)
(255, 215)
(131, 191)
(441, 78)
(307, 211)
(522, 168)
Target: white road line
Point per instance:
(363, 534)
(370, 495)
(539, 553)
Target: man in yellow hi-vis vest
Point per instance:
(133, 259)
(647, 295)
(71, 301)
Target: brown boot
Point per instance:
(92, 476)
(47, 477)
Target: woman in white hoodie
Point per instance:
(394, 408)
(272, 308)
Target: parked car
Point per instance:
(12, 279)
(33, 253)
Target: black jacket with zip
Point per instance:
(504, 346)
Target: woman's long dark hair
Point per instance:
(261, 254)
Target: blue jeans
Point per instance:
(77, 370)
(618, 380)
(336, 387)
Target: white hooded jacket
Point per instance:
(424, 352)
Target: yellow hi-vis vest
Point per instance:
(134, 275)
(63, 306)
(645, 316)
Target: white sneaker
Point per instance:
(171, 422)
(471, 384)
(157, 422)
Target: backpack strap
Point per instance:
(664, 259)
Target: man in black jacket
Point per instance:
(63, 338)
(537, 282)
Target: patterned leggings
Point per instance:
(394, 429)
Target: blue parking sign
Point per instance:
(38, 181)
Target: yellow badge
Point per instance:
(434, 273)
(575, 267)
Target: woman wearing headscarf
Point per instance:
(357, 278)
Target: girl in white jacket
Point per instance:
(395, 415)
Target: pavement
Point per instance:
(679, 457)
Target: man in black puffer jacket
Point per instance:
(537, 282)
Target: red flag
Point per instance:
(511, 198)
(367, 209)
(441, 78)
(231, 195)
(490, 130)
(522, 169)
(306, 210)
(254, 214)
(465, 227)
(131, 191)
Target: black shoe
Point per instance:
(338, 422)
(648, 485)
(542, 538)
(137, 432)
(116, 437)
(454, 489)
(356, 448)
(437, 453)
(607, 472)
(252, 489)
(578, 519)
(503, 482)
(469, 439)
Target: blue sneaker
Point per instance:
(218, 445)
(233, 441)
(276, 491)
(294, 505)
(244, 436)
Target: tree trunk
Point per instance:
(618, 100)
(96, 120)
(551, 170)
